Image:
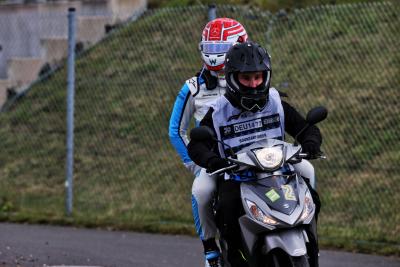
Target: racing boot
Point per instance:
(213, 259)
(212, 253)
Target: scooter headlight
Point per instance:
(308, 207)
(257, 214)
(270, 158)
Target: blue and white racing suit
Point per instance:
(193, 101)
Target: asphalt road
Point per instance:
(24, 245)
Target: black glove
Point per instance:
(312, 148)
(217, 163)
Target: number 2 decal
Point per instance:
(288, 190)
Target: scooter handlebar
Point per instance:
(320, 155)
(233, 166)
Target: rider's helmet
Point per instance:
(247, 57)
(218, 36)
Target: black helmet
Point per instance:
(247, 57)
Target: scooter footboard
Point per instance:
(292, 241)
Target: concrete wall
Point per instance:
(53, 49)
(22, 28)
(3, 91)
(35, 34)
(22, 71)
(123, 9)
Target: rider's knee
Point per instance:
(203, 189)
(306, 169)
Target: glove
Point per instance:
(217, 163)
(312, 148)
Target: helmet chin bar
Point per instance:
(253, 105)
(213, 62)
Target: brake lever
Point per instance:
(233, 166)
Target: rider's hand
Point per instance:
(312, 148)
(217, 163)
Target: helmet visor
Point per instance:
(215, 47)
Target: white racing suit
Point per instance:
(193, 101)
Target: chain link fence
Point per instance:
(127, 175)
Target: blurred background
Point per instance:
(132, 59)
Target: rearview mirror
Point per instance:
(316, 115)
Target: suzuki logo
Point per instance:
(213, 61)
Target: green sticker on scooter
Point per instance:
(272, 195)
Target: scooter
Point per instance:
(277, 202)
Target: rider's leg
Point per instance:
(203, 193)
(306, 169)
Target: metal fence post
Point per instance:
(70, 110)
(212, 12)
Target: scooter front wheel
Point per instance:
(281, 259)
(301, 261)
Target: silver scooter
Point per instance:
(277, 202)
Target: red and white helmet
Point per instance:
(218, 36)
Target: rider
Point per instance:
(250, 111)
(194, 100)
